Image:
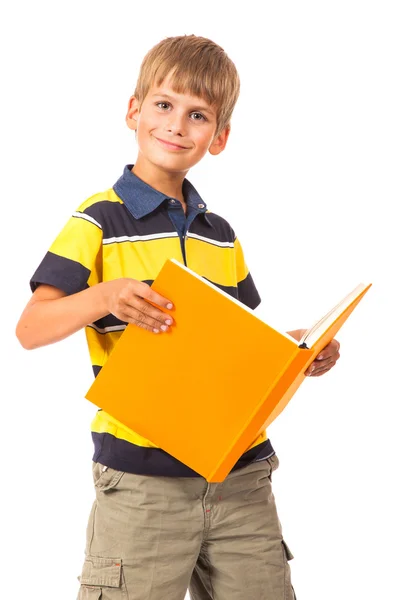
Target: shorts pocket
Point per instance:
(90, 593)
(287, 555)
(273, 462)
(99, 573)
(105, 478)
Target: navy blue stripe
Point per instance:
(66, 274)
(108, 321)
(223, 231)
(248, 293)
(116, 221)
(124, 456)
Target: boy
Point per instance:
(156, 527)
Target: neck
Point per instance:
(167, 182)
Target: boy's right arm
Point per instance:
(51, 315)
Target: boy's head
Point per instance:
(185, 95)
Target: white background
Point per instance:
(309, 181)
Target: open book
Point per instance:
(312, 334)
(206, 390)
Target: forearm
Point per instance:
(47, 321)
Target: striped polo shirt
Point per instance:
(130, 230)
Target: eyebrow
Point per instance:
(197, 107)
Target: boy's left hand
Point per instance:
(325, 360)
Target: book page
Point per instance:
(312, 335)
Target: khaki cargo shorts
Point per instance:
(154, 538)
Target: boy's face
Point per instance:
(174, 131)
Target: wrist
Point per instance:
(104, 293)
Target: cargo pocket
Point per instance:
(90, 593)
(102, 575)
(105, 478)
(273, 462)
(287, 555)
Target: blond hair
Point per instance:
(197, 66)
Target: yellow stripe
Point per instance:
(105, 423)
(98, 346)
(242, 269)
(108, 195)
(139, 260)
(85, 252)
(213, 262)
(101, 344)
(112, 339)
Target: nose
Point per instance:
(176, 124)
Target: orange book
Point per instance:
(205, 390)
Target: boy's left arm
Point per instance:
(325, 360)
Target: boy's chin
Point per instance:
(172, 163)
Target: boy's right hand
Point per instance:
(129, 300)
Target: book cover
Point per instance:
(205, 390)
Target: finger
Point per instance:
(141, 319)
(330, 350)
(322, 363)
(152, 296)
(133, 304)
(315, 371)
(151, 312)
(318, 365)
(319, 373)
(143, 325)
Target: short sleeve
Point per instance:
(247, 290)
(74, 260)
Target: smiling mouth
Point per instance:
(170, 145)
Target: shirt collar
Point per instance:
(141, 199)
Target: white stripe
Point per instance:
(107, 329)
(86, 218)
(210, 241)
(139, 238)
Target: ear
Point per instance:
(218, 144)
(133, 113)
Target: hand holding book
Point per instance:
(325, 360)
(136, 303)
